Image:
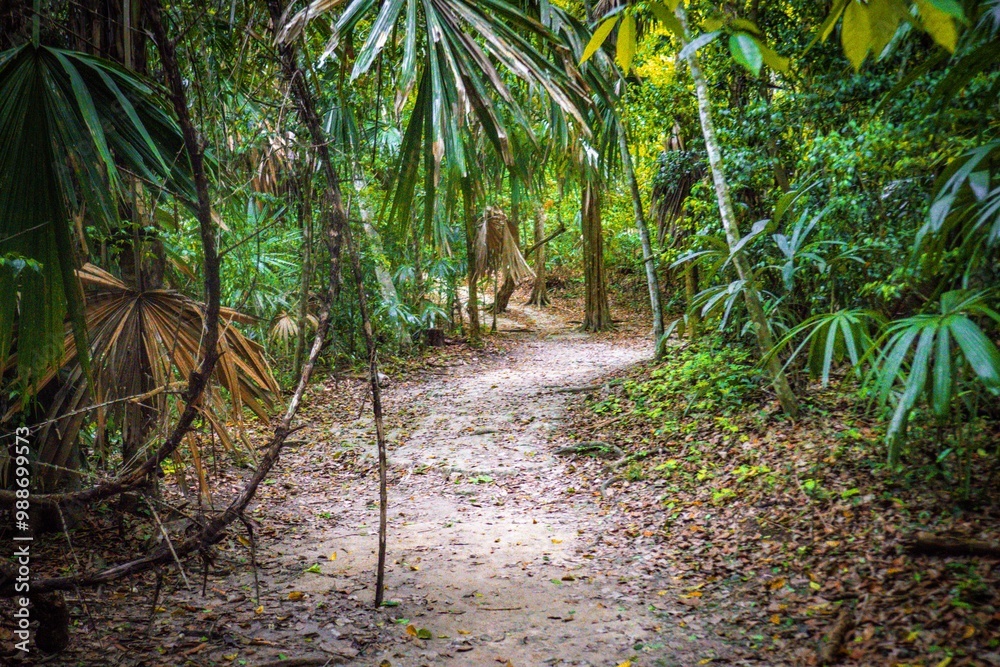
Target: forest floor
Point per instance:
(501, 551)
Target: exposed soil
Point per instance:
(493, 556)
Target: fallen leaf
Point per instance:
(411, 630)
(296, 595)
(333, 556)
(968, 632)
(424, 633)
(259, 610)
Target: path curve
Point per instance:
(490, 551)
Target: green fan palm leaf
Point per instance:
(72, 124)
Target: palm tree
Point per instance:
(455, 62)
(77, 131)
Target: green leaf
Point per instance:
(746, 52)
(712, 24)
(855, 33)
(746, 26)
(950, 7)
(828, 24)
(600, 35)
(668, 19)
(772, 59)
(980, 352)
(943, 382)
(884, 17)
(626, 43)
(939, 25)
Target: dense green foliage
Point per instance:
(858, 140)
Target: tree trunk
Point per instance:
(750, 293)
(307, 238)
(597, 313)
(648, 259)
(339, 231)
(502, 299)
(690, 290)
(539, 295)
(470, 251)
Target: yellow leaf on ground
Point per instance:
(627, 663)
(259, 610)
(776, 619)
(968, 632)
(333, 556)
(555, 541)
(296, 595)
(776, 583)
(945, 662)
(411, 630)
(464, 632)
(244, 541)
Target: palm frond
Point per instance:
(496, 248)
(71, 124)
(142, 343)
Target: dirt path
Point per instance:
(491, 556)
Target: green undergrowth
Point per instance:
(775, 525)
(714, 378)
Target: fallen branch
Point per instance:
(530, 249)
(213, 531)
(305, 662)
(574, 390)
(928, 544)
(603, 449)
(829, 652)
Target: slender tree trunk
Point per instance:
(690, 290)
(539, 295)
(648, 258)
(338, 232)
(597, 313)
(506, 291)
(307, 240)
(470, 251)
(750, 292)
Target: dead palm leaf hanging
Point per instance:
(496, 248)
(679, 171)
(144, 345)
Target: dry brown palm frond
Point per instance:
(678, 173)
(496, 248)
(140, 341)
